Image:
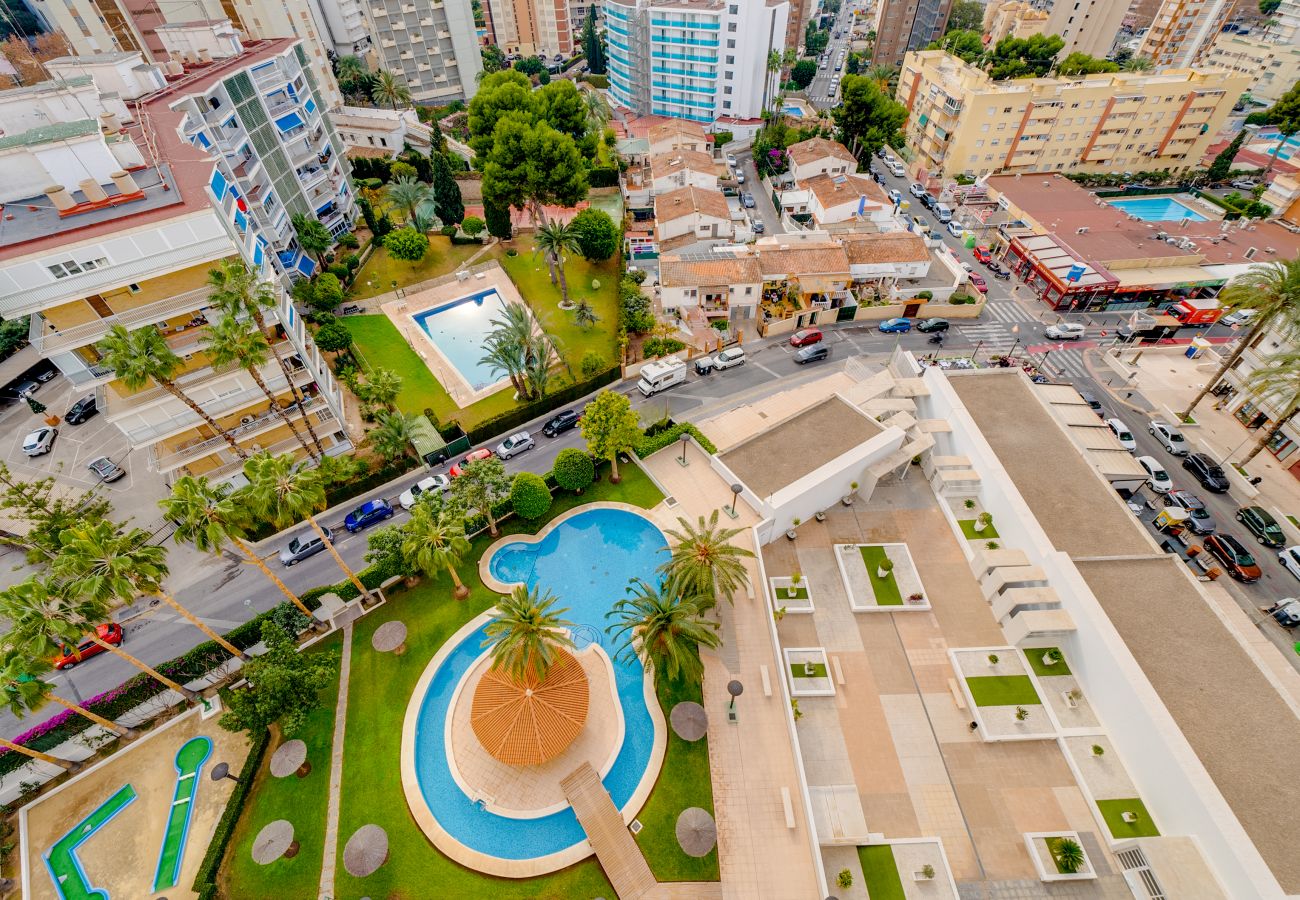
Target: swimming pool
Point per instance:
(1157, 209)
(586, 561)
(457, 329)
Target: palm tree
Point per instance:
(519, 349)
(207, 516)
(313, 236)
(349, 68)
(407, 194)
(426, 216)
(1279, 382)
(392, 438)
(526, 633)
(882, 75)
(1273, 291)
(286, 492)
(43, 615)
(389, 88)
(231, 343)
(555, 239)
(434, 539)
(665, 628)
(141, 356)
(539, 352)
(704, 562)
(107, 564)
(1138, 64)
(598, 111)
(506, 357)
(382, 387)
(584, 315)
(239, 291)
(26, 691)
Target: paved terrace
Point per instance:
(1230, 712)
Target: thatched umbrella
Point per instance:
(274, 841)
(689, 720)
(290, 758)
(528, 721)
(390, 638)
(696, 832)
(365, 851)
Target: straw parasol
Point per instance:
(273, 842)
(531, 720)
(290, 757)
(696, 831)
(689, 720)
(365, 851)
(390, 638)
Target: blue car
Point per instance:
(896, 326)
(368, 514)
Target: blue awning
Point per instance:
(203, 139)
(289, 122)
(325, 208)
(218, 183)
(310, 106)
(306, 265)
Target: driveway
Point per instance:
(764, 211)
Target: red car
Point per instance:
(110, 633)
(978, 282)
(805, 337)
(983, 256)
(459, 469)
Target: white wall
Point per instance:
(665, 183)
(128, 78)
(23, 110)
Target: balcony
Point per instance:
(48, 342)
(323, 425)
(252, 426)
(119, 403)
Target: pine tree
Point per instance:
(446, 192)
(593, 46)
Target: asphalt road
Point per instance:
(824, 83)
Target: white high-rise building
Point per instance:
(434, 47)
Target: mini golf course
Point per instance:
(189, 762)
(61, 859)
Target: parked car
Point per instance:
(47, 375)
(105, 469)
(474, 456)
(1122, 434)
(740, 178)
(928, 201)
(759, 227)
(561, 422)
(437, 483)
(920, 226)
(1169, 437)
(1093, 403)
(978, 282)
(1064, 331)
(1262, 525)
(732, 356)
(805, 336)
(815, 353)
(747, 200)
(731, 160)
(109, 633)
(896, 326)
(26, 388)
(1286, 612)
(367, 514)
(982, 255)
(40, 441)
(1157, 478)
(1207, 472)
(955, 230)
(934, 324)
(515, 444)
(1236, 559)
(1199, 520)
(1290, 560)
(1239, 317)
(303, 546)
(80, 411)
(916, 189)
(1245, 184)
(895, 196)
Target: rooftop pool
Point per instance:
(458, 328)
(1157, 209)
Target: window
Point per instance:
(726, 104)
(726, 89)
(371, 138)
(979, 144)
(731, 44)
(749, 291)
(133, 288)
(733, 9)
(1006, 109)
(729, 75)
(731, 61)
(70, 267)
(731, 27)
(383, 142)
(984, 127)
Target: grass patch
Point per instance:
(381, 270)
(968, 530)
(885, 589)
(800, 593)
(1112, 810)
(1035, 657)
(880, 872)
(688, 784)
(300, 800)
(798, 670)
(1292, 519)
(1002, 690)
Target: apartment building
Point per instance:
(1086, 26)
(131, 214)
(1013, 18)
(1286, 22)
(434, 47)
(1273, 66)
(961, 122)
(532, 27)
(1183, 30)
(693, 59)
(905, 25)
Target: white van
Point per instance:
(732, 356)
(943, 212)
(660, 375)
(896, 168)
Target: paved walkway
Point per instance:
(330, 863)
(615, 847)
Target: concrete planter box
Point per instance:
(801, 603)
(1045, 862)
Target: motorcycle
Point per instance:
(937, 339)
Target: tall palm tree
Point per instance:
(231, 343)
(106, 564)
(506, 357)
(406, 193)
(392, 437)
(239, 291)
(391, 89)
(665, 628)
(43, 614)
(882, 75)
(349, 68)
(434, 539)
(539, 352)
(141, 356)
(703, 562)
(286, 492)
(555, 239)
(25, 690)
(526, 633)
(1279, 382)
(584, 315)
(517, 347)
(1273, 291)
(312, 236)
(598, 111)
(208, 516)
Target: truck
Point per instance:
(660, 375)
(1144, 328)
(1201, 312)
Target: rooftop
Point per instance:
(836, 190)
(42, 87)
(817, 148)
(784, 453)
(677, 271)
(688, 200)
(815, 259)
(662, 164)
(674, 127)
(48, 134)
(884, 247)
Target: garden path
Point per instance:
(330, 863)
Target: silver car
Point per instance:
(436, 483)
(106, 469)
(1169, 437)
(303, 546)
(516, 443)
(1066, 331)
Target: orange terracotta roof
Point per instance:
(817, 259)
(688, 200)
(675, 128)
(529, 721)
(817, 148)
(675, 271)
(662, 164)
(888, 247)
(836, 190)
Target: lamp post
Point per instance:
(685, 439)
(735, 492)
(735, 689)
(1015, 329)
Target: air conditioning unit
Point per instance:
(1250, 253)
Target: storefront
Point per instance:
(1057, 275)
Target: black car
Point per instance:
(80, 411)
(1262, 525)
(928, 201)
(561, 422)
(814, 353)
(930, 325)
(1207, 472)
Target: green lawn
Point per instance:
(800, 593)
(1035, 657)
(1112, 810)
(798, 671)
(381, 270)
(881, 872)
(683, 782)
(1002, 690)
(885, 589)
(968, 529)
(300, 800)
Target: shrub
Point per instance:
(448, 230)
(603, 176)
(473, 226)
(529, 497)
(636, 276)
(722, 137)
(573, 470)
(407, 244)
(339, 271)
(592, 364)
(657, 346)
(597, 81)
(598, 236)
(925, 295)
(653, 443)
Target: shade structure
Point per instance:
(689, 720)
(288, 758)
(365, 851)
(389, 636)
(273, 841)
(529, 721)
(696, 831)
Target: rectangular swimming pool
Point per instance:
(1157, 209)
(458, 330)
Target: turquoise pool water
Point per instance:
(586, 561)
(458, 328)
(1157, 209)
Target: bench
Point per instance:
(789, 807)
(839, 673)
(957, 696)
(767, 681)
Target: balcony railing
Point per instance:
(48, 342)
(321, 425)
(271, 374)
(201, 447)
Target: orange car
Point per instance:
(459, 469)
(109, 632)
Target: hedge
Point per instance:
(509, 421)
(653, 443)
(205, 882)
(597, 81)
(602, 176)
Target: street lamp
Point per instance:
(735, 689)
(685, 439)
(1015, 329)
(735, 492)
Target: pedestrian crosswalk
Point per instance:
(1065, 362)
(1008, 311)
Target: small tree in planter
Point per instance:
(844, 879)
(1022, 714)
(885, 566)
(927, 872)
(848, 498)
(779, 613)
(1069, 856)
(982, 522)
(993, 545)
(969, 503)
(1052, 657)
(790, 532)
(1098, 751)
(794, 584)
(993, 659)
